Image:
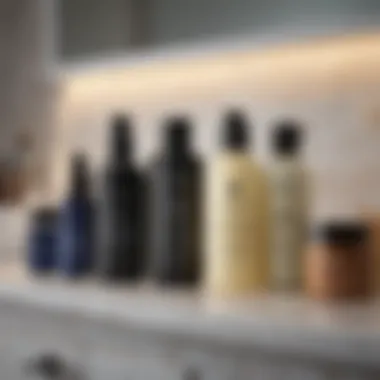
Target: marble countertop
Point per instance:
(273, 322)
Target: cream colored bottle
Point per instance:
(236, 233)
(289, 208)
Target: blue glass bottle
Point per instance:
(42, 242)
(76, 223)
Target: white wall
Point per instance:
(333, 87)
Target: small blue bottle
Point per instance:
(42, 243)
(76, 223)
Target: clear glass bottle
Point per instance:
(289, 206)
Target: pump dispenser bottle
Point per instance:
(175, 208)
(236, 213)
(289, 207)
(121, 255)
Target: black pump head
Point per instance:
(177, 135)
(80, 174)
(235, 131)
(287, 137)
(120, 141)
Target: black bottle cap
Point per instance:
(177, 135)
(80, 175)
(120, 141)
(235, 131)
(287, 137)
(342, 233)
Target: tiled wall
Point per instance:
(332, 87)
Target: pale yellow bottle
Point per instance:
(289, 208)
(237, 217)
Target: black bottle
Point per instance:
(122, 215)
(175, 209)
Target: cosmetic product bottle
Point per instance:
(42, 242)
(175, 208)
(337, 265)
(76, 223)
(372, 220)
(289, 207)
(237, 217)
(121, 256)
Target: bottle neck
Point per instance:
(80, 189)
(178, 154)
(80, 184)
(177, 148)
(120, 145)
(120, 157)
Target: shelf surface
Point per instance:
(288, 323)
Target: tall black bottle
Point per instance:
(122, 215)
(175, 209)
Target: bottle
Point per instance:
(76, 223)
(372, 220)
(175, 209)
(121, 217)
(237, 217)
(288, 178)
(42, 242)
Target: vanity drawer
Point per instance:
(34, 340)
(277, 367)
(183, 366)
(117, 353)
(125, 354)
(210, 363)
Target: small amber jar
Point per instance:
(338, 262)
(373, 222)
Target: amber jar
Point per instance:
(373, 222)
(338, 262)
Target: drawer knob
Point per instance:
(47, 366)
(191, 373)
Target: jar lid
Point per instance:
(342, 232)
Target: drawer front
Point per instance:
(203, 362)
(274, 367)
(35, 341)
(11, 366)
(118, 354)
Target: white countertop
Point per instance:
(292, 323)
